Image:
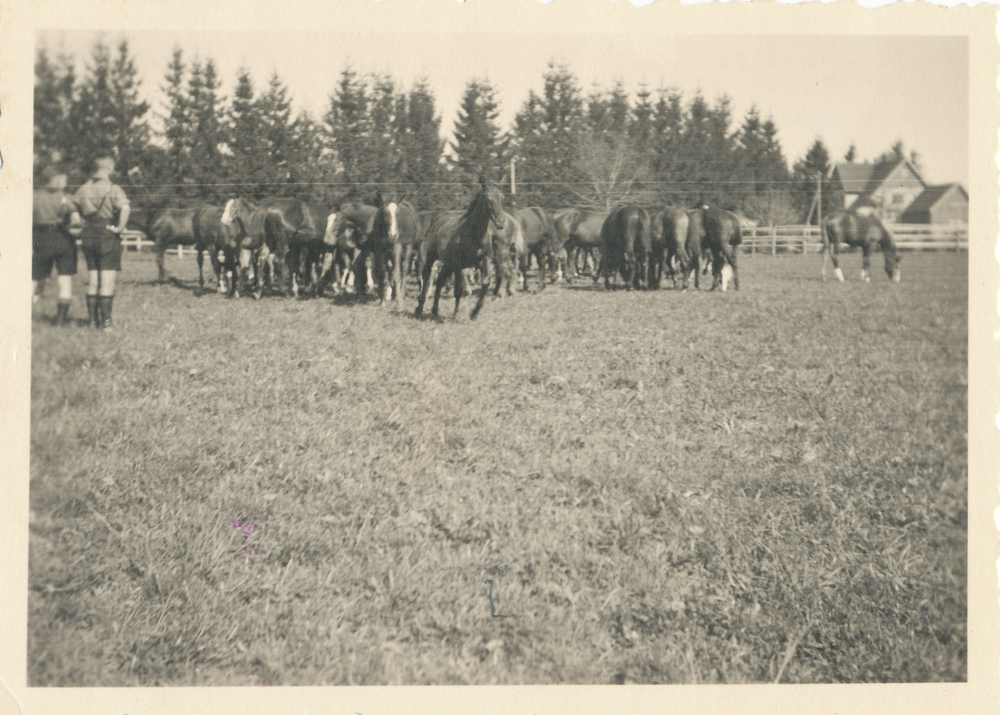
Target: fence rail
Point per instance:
(807, 239)
(759, 239)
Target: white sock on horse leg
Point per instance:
(839, 273)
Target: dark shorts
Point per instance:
(51, 246)
(102, 248)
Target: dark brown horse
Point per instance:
(578, 230)
(285, 227)
(356, 220)
(540, 240)
(394, 237)
(867, 232)
(463, 241)
(170, 227)
(668, 237)
(213, 237)
(625, 246)
(717, 232)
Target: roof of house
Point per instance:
(854, 177)
(866, 178)
(931, 196)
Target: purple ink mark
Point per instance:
(247, 527)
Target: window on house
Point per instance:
(898, 199)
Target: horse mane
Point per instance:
(478, 205)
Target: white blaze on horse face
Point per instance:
(839, 273)
(393, 228)
(328, 235)
(227, 215)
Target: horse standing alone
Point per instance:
(464, 241)
(865, 232)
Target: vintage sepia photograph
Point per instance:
(497, 357)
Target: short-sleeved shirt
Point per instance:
(100, 199)
(50, 208)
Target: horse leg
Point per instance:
(485, 286)
(834, 258)
(736, 273)
(160, 248)
(243, 273)
(823, 254)
(866, 251)
(387, 277)
(213, 259)
(442, 277)
(201, 275)
(461, 285)
(400, 262)
(263, 259)
(425, 276)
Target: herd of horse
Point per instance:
(298, 249)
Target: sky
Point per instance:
(864, 90)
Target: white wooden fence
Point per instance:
(807, 239)
(761, 239)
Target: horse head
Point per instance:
(330, 233)
(494, 202)
(236, 209)
(386, 218)
(890, 252)
(892, 259)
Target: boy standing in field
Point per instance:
(50, 243)
(99, 201)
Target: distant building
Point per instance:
(947, 203)
(896, 192)
(885, 189)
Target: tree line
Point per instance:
(568, 147)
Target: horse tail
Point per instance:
(736, 238)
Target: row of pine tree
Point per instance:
(569, 148)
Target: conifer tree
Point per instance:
(477, 149)
(420, 169)
(815, 164)
(546, 140)
(208, 137)
(346, 127)
(107, 115)
(247, 171)
(53, 134)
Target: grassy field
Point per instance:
(578, 487)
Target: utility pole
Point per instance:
(819, 199)
(513, 185)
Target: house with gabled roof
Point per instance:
(945, 203)
(885, 189)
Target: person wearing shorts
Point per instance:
(51, 245)
(99, 201)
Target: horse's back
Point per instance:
(173, 224)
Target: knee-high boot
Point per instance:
(93, 317)
(104, 310)
(62, 313)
